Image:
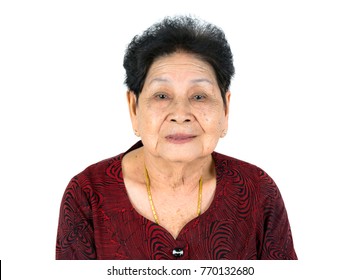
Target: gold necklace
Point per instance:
(152, 203)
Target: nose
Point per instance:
(181, 112)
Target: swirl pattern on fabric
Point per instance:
(247, 218)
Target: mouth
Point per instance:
(180, 138)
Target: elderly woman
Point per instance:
(170, 196)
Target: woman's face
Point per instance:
(180, 114)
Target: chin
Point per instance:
(182, 154)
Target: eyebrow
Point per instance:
(158, 80)
(194, 81)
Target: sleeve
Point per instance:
(75, 235)
(277, 243)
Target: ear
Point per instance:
(227, 107)
(131, 99)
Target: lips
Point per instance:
(180, 138)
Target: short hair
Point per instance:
(179, 33)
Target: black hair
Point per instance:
(180, 33)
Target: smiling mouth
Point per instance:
(180, 138)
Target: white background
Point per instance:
(294, 112)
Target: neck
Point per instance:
(177, 176)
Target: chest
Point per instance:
(175, 218)
(129, 236)
(173, 211)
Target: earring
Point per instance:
(136, 133)
(224, 133)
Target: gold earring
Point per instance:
(136, 133)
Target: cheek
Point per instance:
(149, 122)
(213, 123)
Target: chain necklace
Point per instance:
(152, 203)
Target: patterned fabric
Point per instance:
(246, 220)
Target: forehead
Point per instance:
(180, 66)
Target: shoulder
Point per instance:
(231, 165)
(103, 173)
(239, 173)
(88, 186)
(110, 168)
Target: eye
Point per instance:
(161, 96)
(199, 97)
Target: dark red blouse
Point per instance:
(246, 220)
